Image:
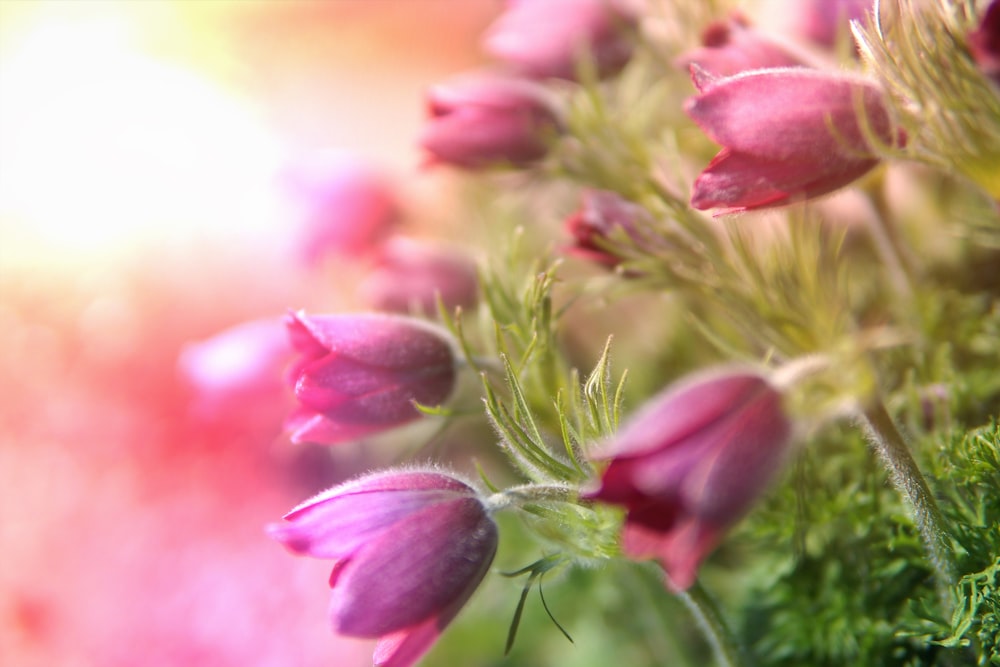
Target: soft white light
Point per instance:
(101, 142)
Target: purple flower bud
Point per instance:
(409, 549)
(734, 46)
(787, 135)
(690, 463)
(481, 120)
(546, 38)
(360, 374)
(984, 42)
(601, 214)
(412, 275)
(346, 207)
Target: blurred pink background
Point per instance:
(142, 146)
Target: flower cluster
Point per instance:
(785, 326)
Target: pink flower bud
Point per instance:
(984, 42)
(409, 549)
(546, 38)
(346, 207)
(238, 371)
(601, 214)
(787, 135)
(690, 463)
(412, 274)
(362, 373)
(481, 120)
(734, 46)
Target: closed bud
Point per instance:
(547, 38)
(691, 463)
(412, 275)
(409, 549)
(361, 374)
(734, 46)
(601, 215)
(787, 135)
(482, 120)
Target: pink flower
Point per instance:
(984, 42)
(361, 374)
(412, 274)
(787, 135)
(346, 206)
(546, 38)
(238, 372)
(691, 463)
(409, 549)
(734, 46)
(481, 120)
(601, 214)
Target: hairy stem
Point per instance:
(909, 481)
(728, 652)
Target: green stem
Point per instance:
(728, 652)
(909, 481)
(890, 247)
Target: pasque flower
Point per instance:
(412, 274)
(690, 463)
(360, 374)
(488, 119)
(601, 215)
(409, 548)
(788, 134)
(547, 38)
(733, 46)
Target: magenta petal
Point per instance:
(682, 410)
(431, 573)
(307, 426)
(790, 114)
(405, 647)
(740, 181)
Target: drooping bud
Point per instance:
(361, 374)
(691, 463)
(547, 38)
(787, 135)
(409, 549)
(482, 120)
(411, 275)
(601, 214)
